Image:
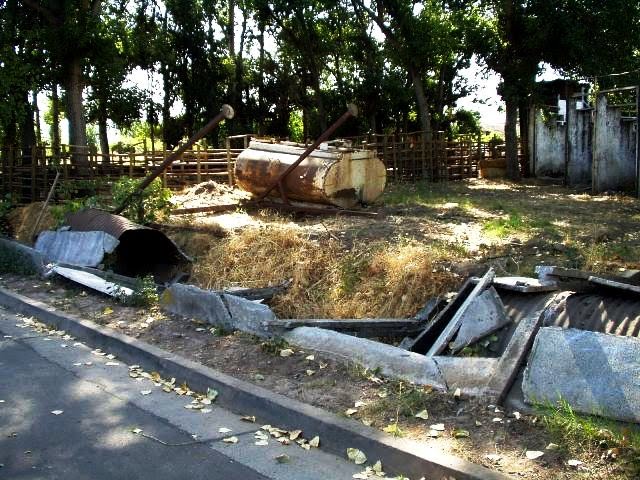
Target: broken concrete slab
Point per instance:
(595, 373)
(84, 249)
(31, 256)
(392, 361)
(249, 315)
(452, 327)
(524, 284)
(470, 374)
(92, 281)
(484, 315)
(627, 287)
(193, 302)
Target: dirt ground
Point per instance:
(510, 226)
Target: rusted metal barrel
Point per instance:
(330, 175)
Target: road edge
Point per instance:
(403, 456)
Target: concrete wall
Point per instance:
(549, 150)
(580, 156)
(614, 153)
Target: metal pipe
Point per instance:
(225, 112)
(352, 111)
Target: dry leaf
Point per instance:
(107, 311)
(377, 468)
(460, 433)
(434, 433)
(112, 364)
(57, 412)
(224, 430)
(533, 454)
(356, 456)
(248, 418)
(294, 434)
(311, 358)
(359, 404)
(439, 427)
(212, 394)
(230, 440)
(493, 458)
(283, 458)
(367, 422)
(137, 431)
(574, 463)
(310, 372)
(145, 392)
(422, 414)
(261, 443)
(315, 441)
(552, 446)
(457, 393)
(206, 410)
(350, 411)
(286, 352)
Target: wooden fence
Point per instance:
(26, 175)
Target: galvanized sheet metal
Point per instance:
(84, 249)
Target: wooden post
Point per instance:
(198, 164)
(132, 159)
(146, 159)
(164, 172)
(33, 173)
(229, 169)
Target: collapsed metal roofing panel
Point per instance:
(86, 249)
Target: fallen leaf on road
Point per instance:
(457, 393)
(286, 352)
(310, 358)
(248, 418)
(212, 394)
(283, 458)
(107, 311)
(439, 427)
(112, 364)
(206, 410)
(422, 414)
(230, 440)
(111, 356)
(356, 456)
(258, 376)
(315, 442)
(77, 364)
(145, 392)
(224, 430)
(552, 446)
(533, 454)
(57, 412)
(434, 433)
(261, 443)
(377, 468)
(310, 372)
(137, 431)
(350, 411)
(293, 434)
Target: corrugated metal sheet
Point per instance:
(92, 219)
(85, 249)
(142, 251)
(618, 315)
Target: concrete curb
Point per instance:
(398, 456)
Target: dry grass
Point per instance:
(23, 219)
(378, 279)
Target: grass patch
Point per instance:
(588, 434)
(517, 223)
(424, 194)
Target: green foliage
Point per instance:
(577, 434)
(149, 206)
(296, 127)
(145, 293)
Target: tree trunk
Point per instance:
(104, 139)
(421, 100)
(36, 116)
(55, 121)
(75, 115)
(261, 113)
(523, 114)
(511, 138)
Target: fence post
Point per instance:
(227, 143)
(132, 159)
(164, 157)
(33, 173)
(198, 176)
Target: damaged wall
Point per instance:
(579, 136)
(614, 156)
(550, 135)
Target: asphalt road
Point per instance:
(93, 437)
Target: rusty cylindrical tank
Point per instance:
(342, 177)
